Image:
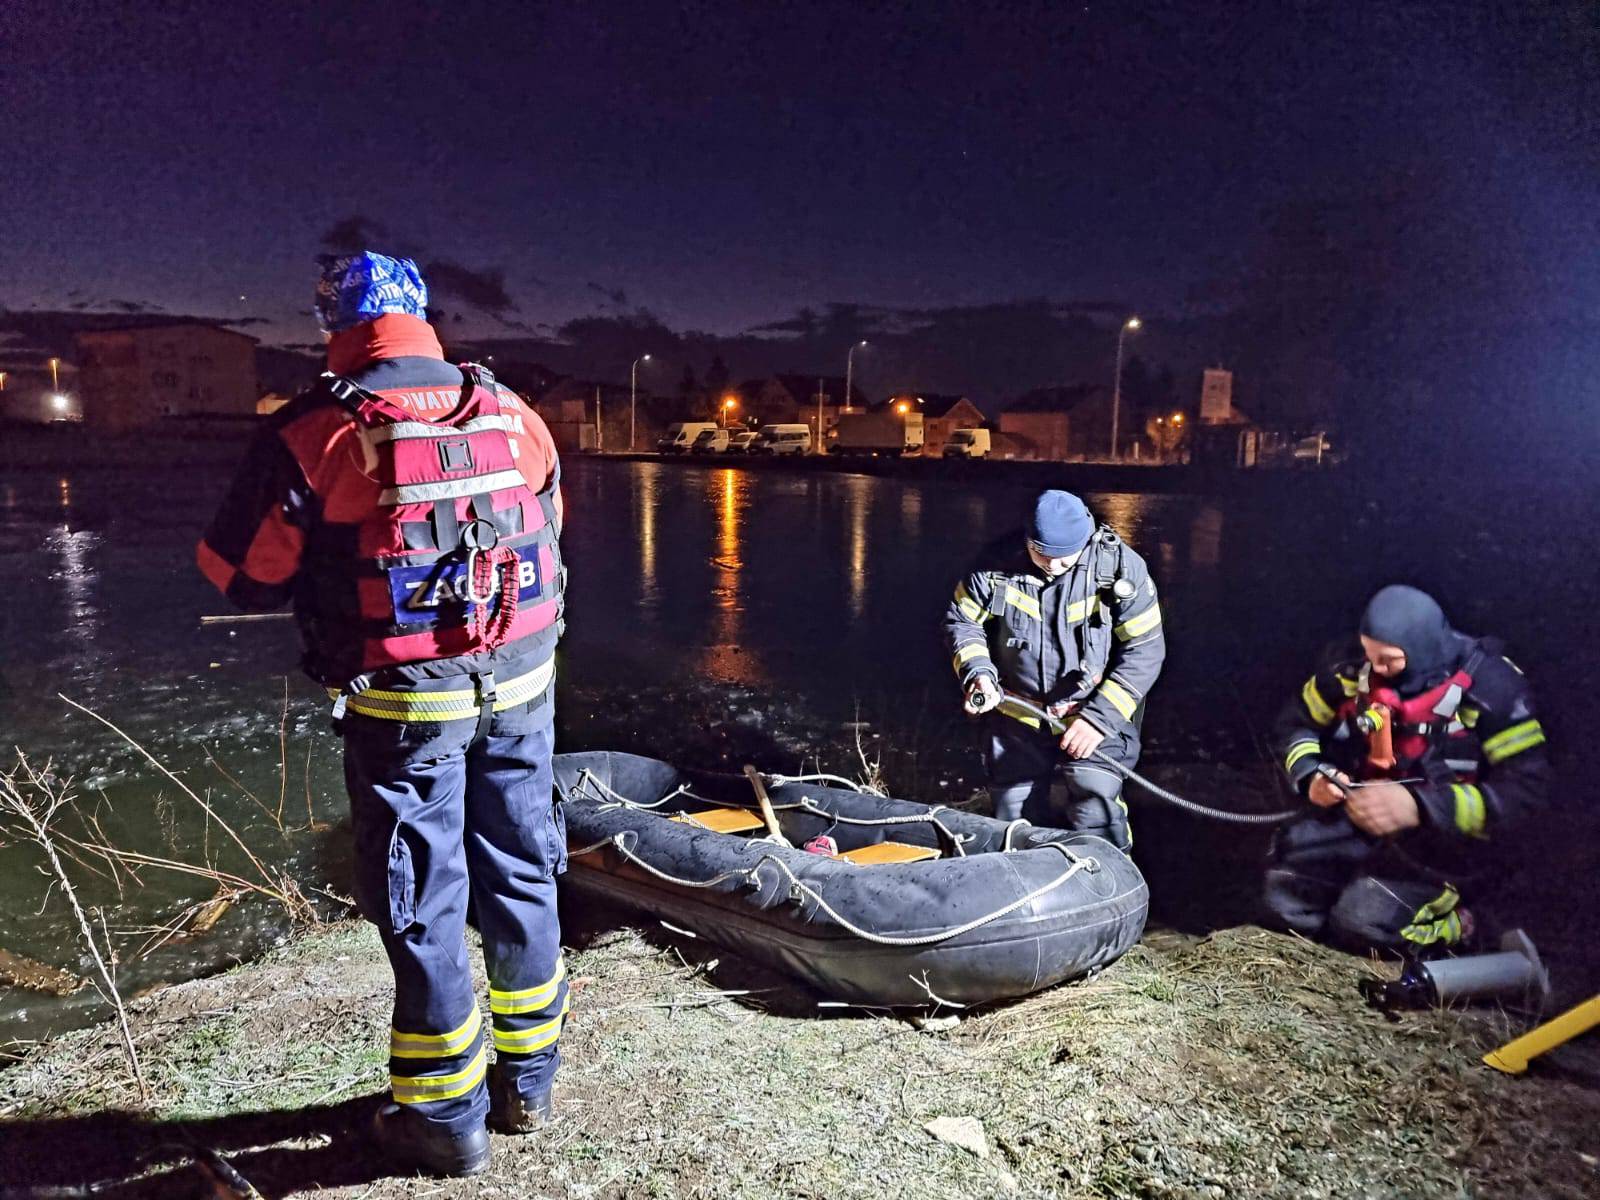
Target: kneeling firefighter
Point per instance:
(1066, 616)
(410, 511)
(1417, 748)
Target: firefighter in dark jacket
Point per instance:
(1418, 749)
(1066, 616)
(409, 509)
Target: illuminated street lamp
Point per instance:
(633, 402)
(729, 403)
(2, 381)
(59, 402)
(55, 383)
(1131, 325)
(903, 407)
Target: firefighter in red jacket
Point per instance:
(1417, 750)
(409, 510)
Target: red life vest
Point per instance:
(1416, 724)
(457, 558)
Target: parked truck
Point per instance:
(887, 432)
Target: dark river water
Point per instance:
(703, 600)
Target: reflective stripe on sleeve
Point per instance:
(1470, 813)
(1299, 750)
(965, 654)
(1512, 741)
(1321, 714)
(1121, 698)
(1143, 623)
(970, 608)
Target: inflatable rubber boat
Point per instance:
(894, 904)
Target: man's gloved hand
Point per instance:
(1324, 791)
(982, 695)
(1081, 739)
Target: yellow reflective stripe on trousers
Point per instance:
(1514, 740)
(1470, 815)
(536, 1037)
(435, 1045)
(458, 704)
(1143, 623)
(420, 1089)
(970, 608)
(528, 999)
(1121, 698)
(1299, 750)
(1021, 600)
(1315, 704)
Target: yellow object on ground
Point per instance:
(1514, 1056)
(889, 852)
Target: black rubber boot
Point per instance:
(408, 1138)
(512, 1112)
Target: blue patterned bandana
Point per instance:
(362, 287)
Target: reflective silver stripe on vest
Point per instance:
(1462, 766)
(401, 430)
(449, 489)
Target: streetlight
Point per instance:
(60, 402)
(633, 403)
(2, 381)
(55, 383)
(729, 403)
(849, 387)
(1131, 325)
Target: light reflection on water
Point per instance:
(822, 589)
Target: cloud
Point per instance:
(616, 296)
(485, 289)
(353, 233)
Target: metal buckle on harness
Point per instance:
(477, 541)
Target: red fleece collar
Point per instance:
(393, 335)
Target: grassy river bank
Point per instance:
(1238, 1064)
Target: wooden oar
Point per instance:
(767, 815)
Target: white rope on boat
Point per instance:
(1005, 846)
(807, 804)
(797, 888)
(780, 780)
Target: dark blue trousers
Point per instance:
(1023, 762)
(1328, 880)
(445, 819)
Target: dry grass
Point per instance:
(1237, 1065)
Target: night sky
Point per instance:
(723, 166)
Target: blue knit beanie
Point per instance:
(1061, 525)
(355, 288)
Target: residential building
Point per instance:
(790, 399)
(130, 378)
(1059, 423)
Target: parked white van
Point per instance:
(968, 443)
(782, 439)
(710, 441)
(681, 435)
(740, 441)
